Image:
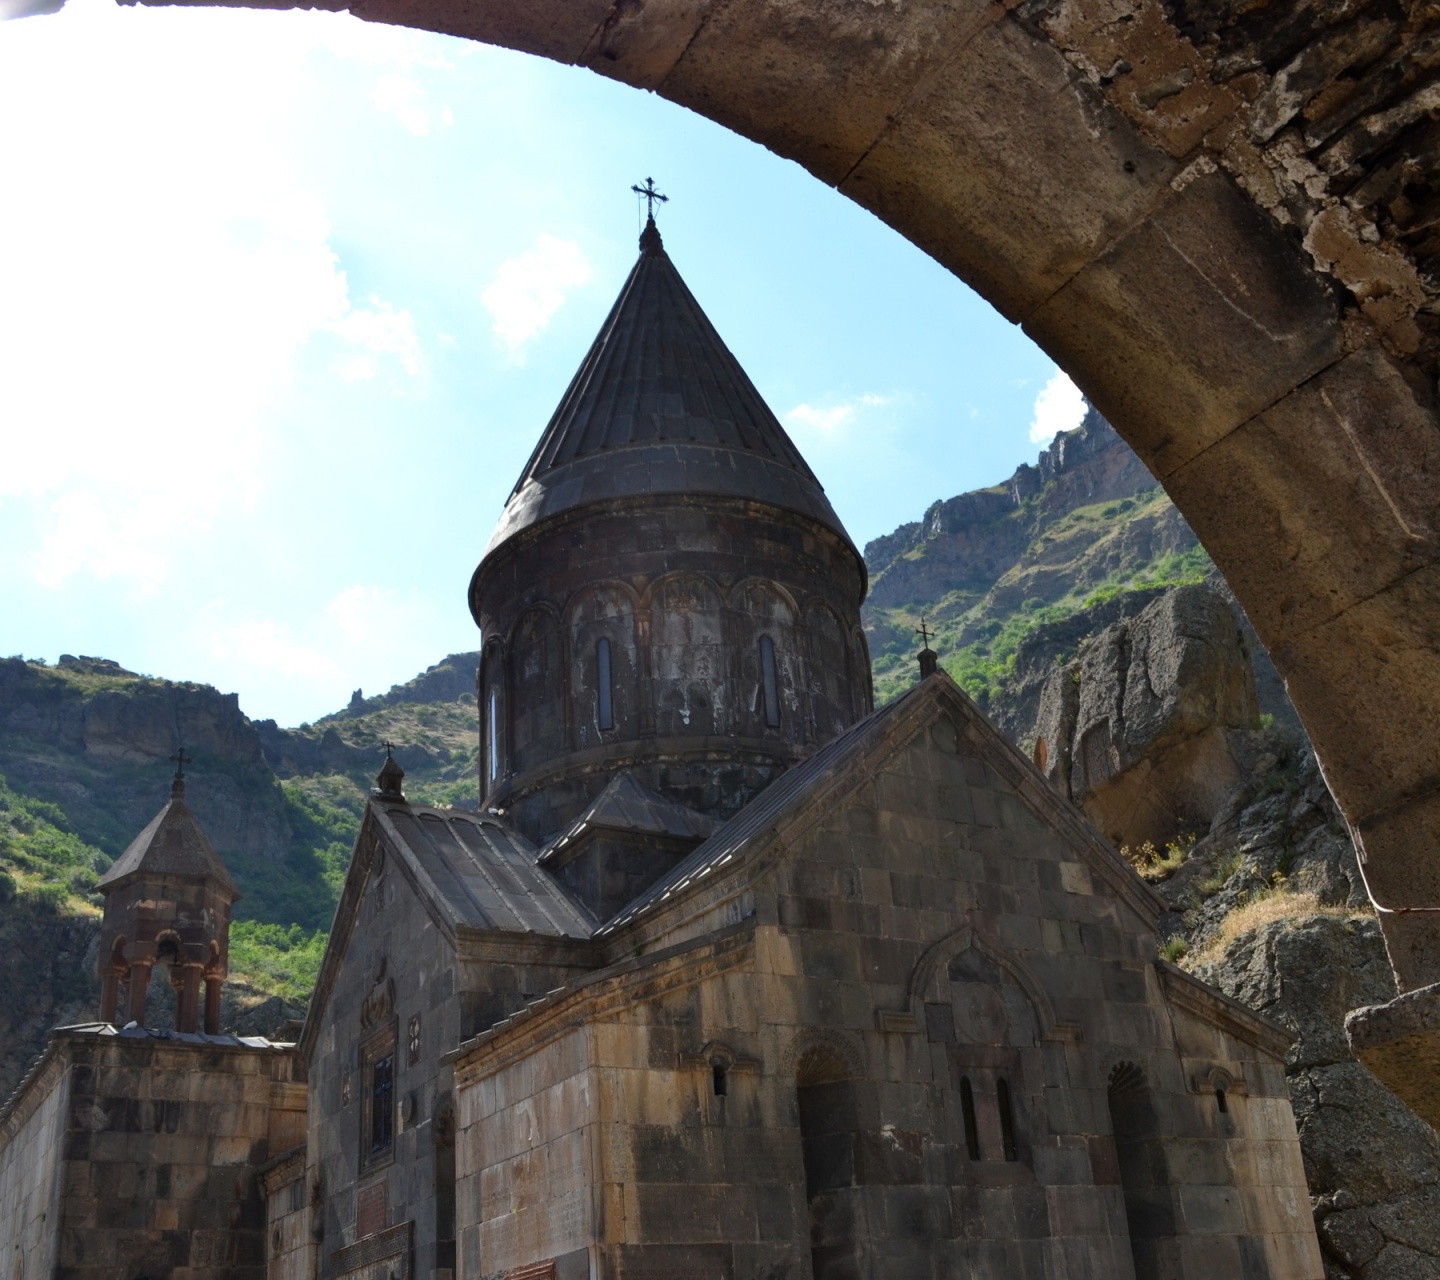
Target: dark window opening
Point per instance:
(605, 703)
(494, 736)
(769, 682)
(1007, 1119)
(382, 1103)
(1221, 1102)
(719, 1079)
(967, 1110)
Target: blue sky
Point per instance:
(287, 298)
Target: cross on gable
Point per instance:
(651, 195)
(924, 632)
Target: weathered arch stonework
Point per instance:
(1219, 219)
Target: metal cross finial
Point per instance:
(651, 195)
(180, 760)
(389, 750)
(924, 632)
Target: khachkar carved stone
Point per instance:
(669, 591)
(167, 901)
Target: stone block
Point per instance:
(1213, 1210)
(1234, 317)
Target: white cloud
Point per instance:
(271, 646)
(365, 635)
(376, 331)
(529, 289)
(827, 420)
(1059, 407)
(161, 276)
(405, 98)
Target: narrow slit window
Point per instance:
(605, 703)
(1007, 1119)
(719, 1079)
(967, 1110)
(494, 736)
(1220, 1101)
(382, 1101)
(769, 682)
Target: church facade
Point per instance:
(731, 975)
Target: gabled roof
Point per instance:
(481, 873)
(829, 771)
(661, 406)
(626, 805)
(472, 873)
(173, 844)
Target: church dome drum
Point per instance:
(669, 592)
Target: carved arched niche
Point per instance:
(688, 663)
(983, 1010)
(537, 660)
(760, 611)
(830, 672)
(862, 692)
(606, 611)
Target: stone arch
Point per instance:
(689, 662)
(829, 671)
(832, 1055)
(758, 608)
(1139, 1139)
(930, 978)
(1039, 158)
(539, 687)
(607, 610)
(862, 690)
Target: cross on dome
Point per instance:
(650, 195)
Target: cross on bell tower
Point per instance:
(929, 659)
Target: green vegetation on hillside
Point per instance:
(44, 864)
(1069, 562)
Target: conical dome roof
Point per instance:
(661, 406)
(173, 844)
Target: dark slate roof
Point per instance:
(626, 805)
(174, 844)
(764, 811)
(482, 872)
(661, 406)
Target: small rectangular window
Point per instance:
(605, 705)
(382, 1103)
(378, 1064)
(769, 682)
(1007, 1119)
(967, 1111)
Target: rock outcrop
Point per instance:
(96, 740)
(1372, 1165)
(968, 540)
(1136, 729)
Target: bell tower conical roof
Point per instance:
(661, 406)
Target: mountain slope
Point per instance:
(985, 569)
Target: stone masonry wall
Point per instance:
(31, 1142)
(162, 1139)
(947, 1049)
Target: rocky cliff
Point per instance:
(985, 569)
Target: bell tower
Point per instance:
(167, 902)
(669, 593)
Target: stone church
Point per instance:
(730, 976)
